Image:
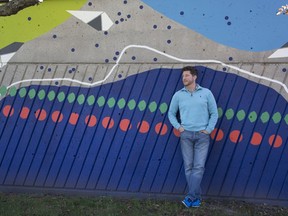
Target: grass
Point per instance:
(27, 204)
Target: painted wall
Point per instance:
(85, 88)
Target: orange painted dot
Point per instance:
(8, 111)
(107, 122)
(219, 136)
(256, 138)
(176, 132)
(125, 125)
(24, 112)
(74, 118)
(57, 116)
(40, 114)
(275, 141)
(161, 128)
(143, 127)
(91, 120)
(236, 136)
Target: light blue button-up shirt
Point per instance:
(198, 110)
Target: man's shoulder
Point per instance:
(204, 89)
(180, 91)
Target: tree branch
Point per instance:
(14, 6)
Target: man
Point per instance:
(198, 117)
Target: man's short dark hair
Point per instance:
(192, 70)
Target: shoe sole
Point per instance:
(185, 204)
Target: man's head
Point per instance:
(189, 75)
(193, 71)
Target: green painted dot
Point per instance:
(241, 115)
(163, 108)
(131, 104)
(51, 95)
(13, 91)
(121, 103)
(91, 100)
(265, 117)
(277, 117)
(153, 106)
(252, 116)
(22, 92)
(286, 119)
(229, 114)
(142, 105)
(3, 90)
(71, 97)
(220, 112)
(61, 96)
(41, 94)
(81, 99)
(32, 93)
(101, 101)
(111, 102)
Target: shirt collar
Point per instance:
(198, 87)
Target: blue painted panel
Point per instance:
(240, 148)
(77, 156)
(54, 142)
(227, 154)
(9, 125)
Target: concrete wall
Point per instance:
(85, 88)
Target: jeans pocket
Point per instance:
(182, 134)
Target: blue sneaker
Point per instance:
(187, 202)
(196, 203)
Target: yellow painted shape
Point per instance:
(34, 21)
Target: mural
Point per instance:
(225, 21)
(84, 101)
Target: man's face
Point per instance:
(188, 78)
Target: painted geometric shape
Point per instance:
(111, 102)
(265, 117)
(8, 52)
(280, 53)
(121, 103)
(101, 101)
(98, 20)
(241, 115)
(229, 114)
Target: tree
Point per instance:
(14, 6)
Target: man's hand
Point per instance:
(204, 131)
(181, 129)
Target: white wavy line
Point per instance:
(161, 53)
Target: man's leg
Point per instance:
(188, 155)
(201, 147)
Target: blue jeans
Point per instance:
(194, 147)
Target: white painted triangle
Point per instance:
(106, 22)
(6, 58)
(85, 16)
(280, 53)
